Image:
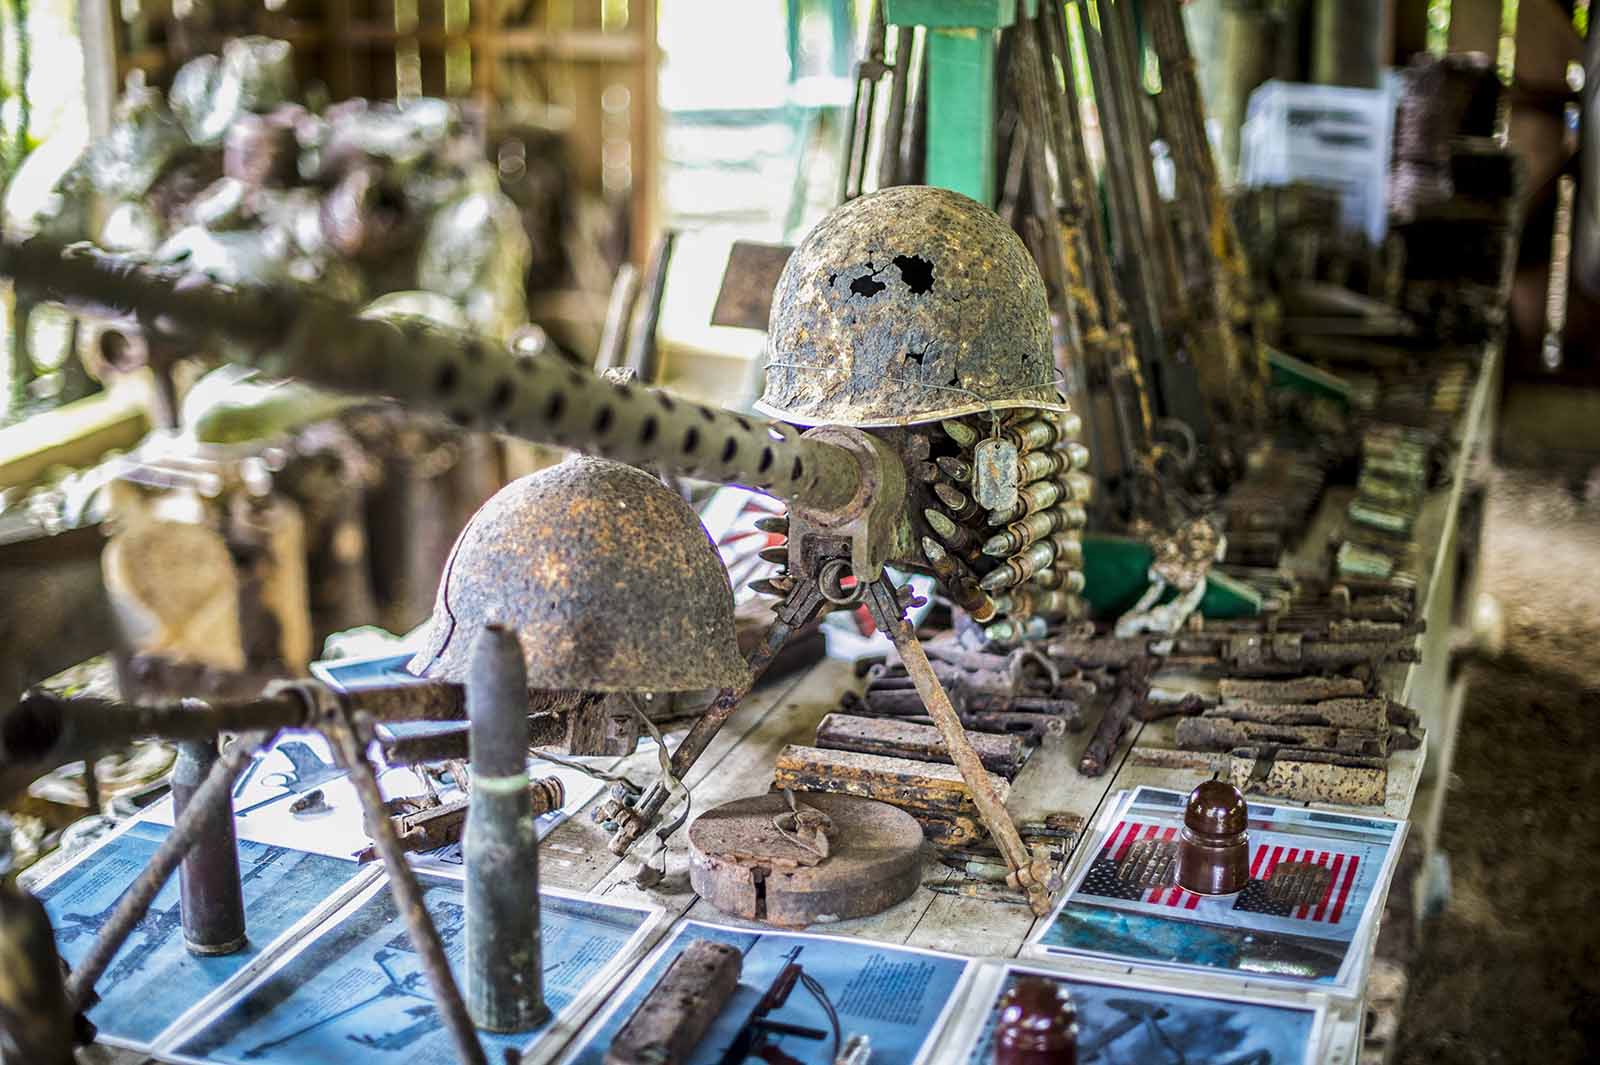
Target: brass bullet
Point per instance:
(957, 580)
(964, 435)
(960, 507)
(957, 538)
(1037, 465)
(1034, 435)
(778, 555)
(953, 468)
(774, 523)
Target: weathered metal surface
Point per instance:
(743, 863)
(1217, 734)
(1292, 690)
(605, 574)
(872, 320)
(745, 298)
(676, 1013)
(1310, 776)
(901, 781)
(421, 825)
(1117, 720)
(211, 897)
(500, 847)
(1368, 715)
(899, 739)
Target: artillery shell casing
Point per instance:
(964, 435)
(210, 896)
(953, 468)
(956, 501)
(504, 983)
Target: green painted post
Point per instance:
(962, 40)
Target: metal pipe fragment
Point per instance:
(504, 967)
(215, 793)
(211, 898)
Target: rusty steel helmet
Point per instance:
(607, 576)
(905, 305)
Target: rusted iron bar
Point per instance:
(408, 896)
(871, 735)
(1118, 719)
(906, 782)
(1220, 734)
(215, 793)
(676, 1013)
(1292, 690)
(1031, 875)
(1370, 715)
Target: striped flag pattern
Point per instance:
(1264, 858)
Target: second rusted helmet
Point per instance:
(909, 304)
(606, 575)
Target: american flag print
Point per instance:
(1328, 907)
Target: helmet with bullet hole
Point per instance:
(910, 304)
(606, 575)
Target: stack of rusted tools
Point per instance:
(1297, 714)
(1269, 507)
(880, 744)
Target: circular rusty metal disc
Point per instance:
(742, 864)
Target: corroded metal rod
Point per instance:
(408, 898)
(214, 794)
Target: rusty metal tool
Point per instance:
(500, 847)
(677, 1012)
(1118, 720)
(408, 893)
(869, 735)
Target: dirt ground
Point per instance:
(1509, 971)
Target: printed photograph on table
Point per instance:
(1126, 1020)
(154, 979)
(790, 998)
(1315, 884)
(356, 990)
